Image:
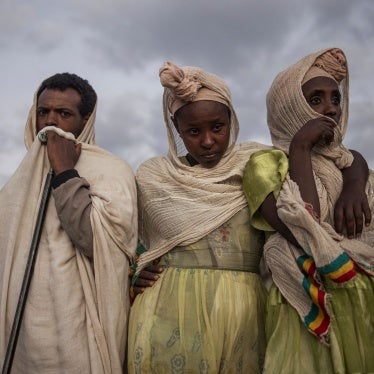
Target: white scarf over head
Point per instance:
(288, 110)
(76, 313)
(320, 245)
(180, 204)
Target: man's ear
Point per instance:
(85, 118)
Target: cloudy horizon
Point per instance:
(119, 47)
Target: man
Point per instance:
(75, 318)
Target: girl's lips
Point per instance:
(210, 155)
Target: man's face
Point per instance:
(60, 109)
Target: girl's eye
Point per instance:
(315, 100)
(218, 127)
(336, 100)
(194, 131)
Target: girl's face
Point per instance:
(323, 96)
(204, 127)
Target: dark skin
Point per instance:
(204, 127)
(147, 277)
(61, 109)
(351, 209)
(349, 206)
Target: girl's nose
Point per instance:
(330, 109)
(208, 140)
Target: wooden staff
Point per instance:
(17, 321)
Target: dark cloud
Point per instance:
(360, 133)
(119, 46)
(195, 31)
(130, 132)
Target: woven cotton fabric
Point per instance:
(179, 204)
(324, 253)
(76, 313)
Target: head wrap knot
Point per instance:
(174, 78)
(187, 84)
(332, 63)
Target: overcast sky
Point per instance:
(119, 45)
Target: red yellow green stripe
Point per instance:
(317, 320)
(339, 270)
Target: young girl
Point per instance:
(206, 312)
(325, 278)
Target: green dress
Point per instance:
(206, 313)
(291, 348)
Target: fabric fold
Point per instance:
(76, 313)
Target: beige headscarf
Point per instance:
(179, 204)
(331, 64)
(188, 84)
(76, 315)
(323, 251)
(288, 111)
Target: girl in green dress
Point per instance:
(206, 312)
(321, 308)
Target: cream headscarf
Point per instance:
(76, 314)
(179, 204)
(189, 84)
(288, 111)
(323, 252)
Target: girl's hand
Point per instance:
(147, 278)
(352, 209)
(314, 131)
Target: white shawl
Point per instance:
(75, 318)
(179, 204)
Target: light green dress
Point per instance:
(206, 313)
(291, 348)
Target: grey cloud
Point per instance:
(119, 45)
(194, 31)
(130, 130)
(360, 133)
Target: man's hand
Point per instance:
(63, 154)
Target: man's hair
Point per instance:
(63, 81)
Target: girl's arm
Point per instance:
(301, 146)
(351, 209)
(268, 210)
(301, 172)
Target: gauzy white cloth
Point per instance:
(179, 204)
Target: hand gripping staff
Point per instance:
(12, 343)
